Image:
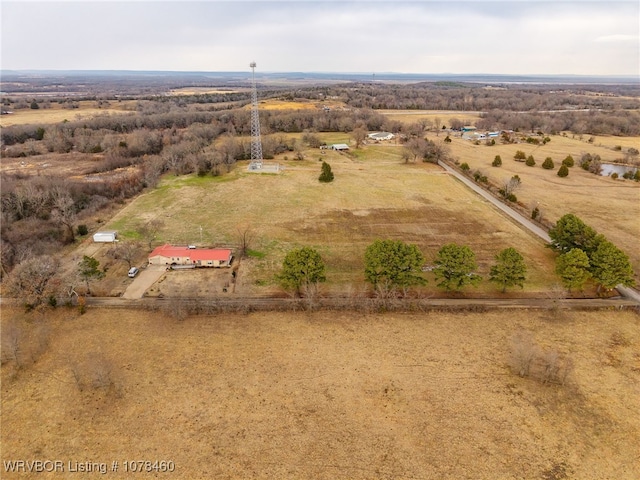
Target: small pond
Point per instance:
(609, 168)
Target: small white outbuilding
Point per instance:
(106, 236)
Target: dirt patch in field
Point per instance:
(328, 395)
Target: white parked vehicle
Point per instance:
(133, 271)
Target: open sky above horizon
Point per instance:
(517, 37)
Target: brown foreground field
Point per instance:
(325, 395)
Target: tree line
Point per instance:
(393, 267)
(586, 255)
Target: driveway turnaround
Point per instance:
(143, 281)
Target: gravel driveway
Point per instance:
(143, 281)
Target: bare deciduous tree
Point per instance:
(128, 251)
(149, 231)
(245, 235)
(414, 148)
(64, 211)
(33, 280)
(359, 134)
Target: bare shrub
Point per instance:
(12, 343)
(528, 359)
(23, 343)
(94, 370)
(176, 308)
(99, 370)
(523, 351)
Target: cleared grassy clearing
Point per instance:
(444, 116)
(610, 206)
(57, 114)
(205, 91)
(374, 196)
(275, 104)
(331, 396)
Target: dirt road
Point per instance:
(521, 219)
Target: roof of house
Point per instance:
(340, 146)
(192, 253)
(381, 135)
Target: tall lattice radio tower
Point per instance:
(256, 142)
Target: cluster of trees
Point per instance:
(585, 254)
(616, 121)
(40, 214)
(425, 150)
(392, 267)
(37, 281)
(548, 163)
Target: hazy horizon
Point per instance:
(487, 37)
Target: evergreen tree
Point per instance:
(509, 269)
(497, 162)
(519, 155)
(302, 270)
(563, 171)
(88, 270)
(571, 232)
(530, 161)
(548, 164)
(326, 175)
(573, 268)
(455, 268)
(610, 266)
(391, 264)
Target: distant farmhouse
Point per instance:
(196, 257)
(339, 146)
(380, 136)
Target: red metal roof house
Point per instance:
(198, 257)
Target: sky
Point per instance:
(514, 37)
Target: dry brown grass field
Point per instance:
(303, 104)
(374, 195)
(444, 116)
(610, 206)
(326, 395)
(56, 114)
(204, 91)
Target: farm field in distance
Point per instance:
(329, 395)
(56, 113)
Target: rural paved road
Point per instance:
(524, 221)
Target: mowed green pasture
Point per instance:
(374, 196)
(610, 206)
